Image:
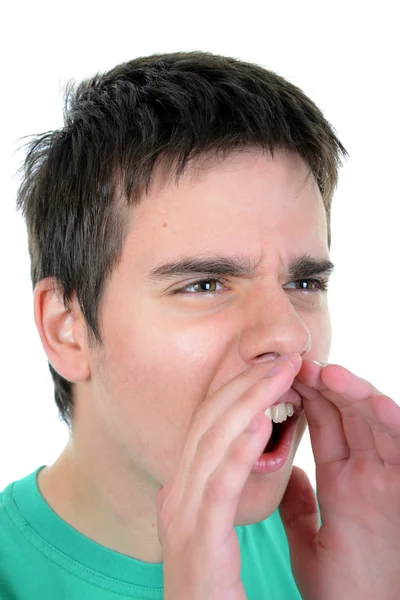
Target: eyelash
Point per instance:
(323, 286)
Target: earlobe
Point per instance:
(61, 331)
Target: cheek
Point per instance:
(155, 354)
(319, 326)
(155, 379)
(160, 374)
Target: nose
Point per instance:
(271, 327)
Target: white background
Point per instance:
(345, 56)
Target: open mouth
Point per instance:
(277, 430)
(279, 446)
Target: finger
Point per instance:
(327, 436)
(353, 396)
(220, 402)
(365, 434)
(336, 378)
(337, 434)
(214, 450)
(387, 430)
(221, 496)
(310, 373)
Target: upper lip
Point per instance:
(291, 396)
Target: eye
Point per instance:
(322, 284)
(208, 286)
(204, 286)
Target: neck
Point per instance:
(102, 496)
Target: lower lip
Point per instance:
(275, 460)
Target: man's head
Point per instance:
(82, 181)
(174, 159)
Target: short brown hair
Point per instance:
(178, 106)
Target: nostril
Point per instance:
(268, 356)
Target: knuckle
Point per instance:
(239, 453)
(216, 490)
(259, 387)
(224, 481)
(207, 441)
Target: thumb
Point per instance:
(299, 514)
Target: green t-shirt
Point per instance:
(44, 558)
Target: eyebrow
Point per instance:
(236, 266)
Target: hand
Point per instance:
(197, 508)
(355, 437)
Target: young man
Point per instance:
(179, 233)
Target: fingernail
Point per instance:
(321, 364)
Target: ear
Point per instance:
(62, 332)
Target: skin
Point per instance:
(355, 437)
(164, 355)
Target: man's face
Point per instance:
(166, 351)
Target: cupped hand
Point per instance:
(196, 509)
(355, 437)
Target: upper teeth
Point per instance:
(280, 412)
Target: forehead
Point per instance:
(246, 202)
(252, 166)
